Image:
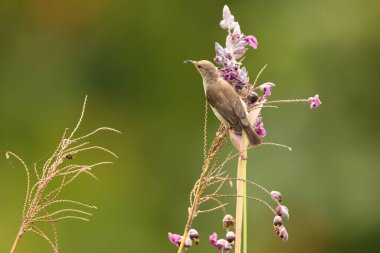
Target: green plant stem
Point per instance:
(245, 220)
(241, 205)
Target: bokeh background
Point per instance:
(127, 56)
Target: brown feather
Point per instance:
(223, 98)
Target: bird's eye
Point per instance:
(199, 66)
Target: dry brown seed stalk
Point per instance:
(56, 168)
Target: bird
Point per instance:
(225, 102)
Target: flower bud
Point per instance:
(218, 59)
(230, 236)
(282, 211)
(175, 239)
(227, 248)
(228, 221)
(188, 243)
(213, 239)
(223, 244)
(194, 236)
(252, 97)
(259, 127)
(314, 101)
(276, 196)
(277, 221)
(283, 234)
(267, 89)
(251, 41)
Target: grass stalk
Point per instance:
(241, 203)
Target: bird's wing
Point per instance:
(224, 109)
(240, 110)
(241, 113)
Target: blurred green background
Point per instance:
(127, 56)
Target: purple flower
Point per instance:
(175, 239)
(218, 59)
(228, 21)
(236, 43)
(194, 236)
(267, 89)
(251, 41)
(277, 221)
(188, 243)
(219, 49)
(230, 236)
(283, 211)
(259, 128)
(314, 102)
(243, 75)
(276, 196)
(223, 245)
(283, 234)
(213, 239)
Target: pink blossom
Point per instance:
(223, 245)
(218, 59)
(213, 239)
(283, 211)
(175, 239)
(259, 128)
(230, 236)
(283, 234)
(188, 243)
(219, 49)
(251, 41)
(235, 43)
(277, 221)
(267, 89)
(194, 236)
(314, 102)
(228, 21)
(276, 196)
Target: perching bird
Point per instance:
(228, 107)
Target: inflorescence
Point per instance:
(229, 59)
(232, 69)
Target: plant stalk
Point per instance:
(192, 210)
(17, 240)
(241, 203)
(216, 145)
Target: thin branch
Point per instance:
(59, 212)
(80, 119)
(95, 147)
(95, 131)
(43, 235)
(7, 155)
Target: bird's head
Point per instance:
(207, 70)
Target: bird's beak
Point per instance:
(190, 61)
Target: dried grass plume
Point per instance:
(43, 203)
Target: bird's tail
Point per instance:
(252, 136)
